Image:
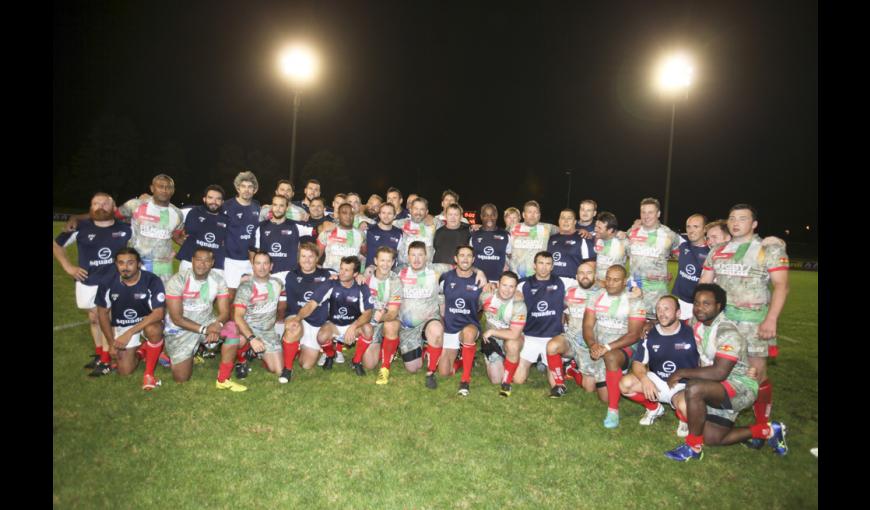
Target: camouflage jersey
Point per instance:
(420, 294)
(197, 296)
(294, 212)
(386, 292)
(502, 314)
(152, 232)
(526, 241)
(413, 231)
(612, 314)
(338, 243)
(649, 251)
(260, 301)
(609, 252)
(743, 270)
(721, 339)
(576, 299)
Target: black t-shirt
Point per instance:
(446, 241)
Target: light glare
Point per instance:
(298, 64)
(675, 73)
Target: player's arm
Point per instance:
(767, 328)
(589, 328)
(282, 308)
(243, 327)
(716, 372)
(303, 312)
(71, 269)
(72, 222)
(154, 317)
(635, 330)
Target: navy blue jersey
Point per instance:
(404, 213)
(490, 251)
(130, 304)
(300, 203)
(545, 303)
(569, 251)
(242, 220)
(298, 289)
(377, 237)
(314, 223)
(345, 304)
(689, 270)
(97, 247)
(588, 228)
(281, 242)
(461, 296)
(204, 230)
(664, 354)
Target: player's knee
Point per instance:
(626, 384)
(154, 332)
(391, 329)
(554, 347)
(293, 329)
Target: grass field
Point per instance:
(332, 439)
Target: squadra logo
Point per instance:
(460, 303)
(209, 237)
(542, 306)
(488, 250)
(129, 313)
(276, 247)
(104, 253)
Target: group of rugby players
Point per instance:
(286, 281)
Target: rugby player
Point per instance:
(337, 200)
(528, 239)
(97, 239)
(568, 247)
(450, 235)
(649, 247)
(243, 215)
(342, 241)
(394, 196)
(310, 192)
(386, 288)
(745, 267)
(294, 212)
(448, 198)
(571, 344)
(491, 244)
(716, 392)
(612, 324)
(130, 307)
(461, 326)
(206, 227)
(373, 206)
(667, 347)
(693, 252)
(505, 313)
(586, 218)
(511, 218)
(316, 217)
(383, 233)
(280, 238)
(190, 298)
(716, 232)
(360, 220)
(417, 227)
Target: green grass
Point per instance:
(336, 440)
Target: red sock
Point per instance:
(240, 354)
(99, 350)
(695, 441)
(388, 348)
(764, 403)
(574, 373)
(554, 361)
(760, 430)
(290, 350)
(434, 355)
(612, 378)
(224, 371)
(642, 400)
(152, 354)
(104, 356)
(680, 416)
(468, 351)
(140, 351)
(509, 368)
(329, 349)
(339, 347)
(362, 345)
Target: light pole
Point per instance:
(299, 66)
(674, 77)
(568, 198)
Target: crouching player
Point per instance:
(722, 387)
(505, 314)
(666, 348)
(130, 306)
(190, 298)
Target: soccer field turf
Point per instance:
(332, 439)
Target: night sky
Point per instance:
(495, 100)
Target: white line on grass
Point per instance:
(792, 340)
(73, 325)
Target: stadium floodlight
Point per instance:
(300, 66)
(674, 77)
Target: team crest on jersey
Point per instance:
(286, 233)
(91, 237)
(534, 291)
(298, 279)
(239, 215)
(571, 242)
(139, 295)
(656, 347)
(320, 279)
(201, 219)
(472, 288)
(552, 287)
(222, 225)
(377, 238)
(686, 251)
(114, 297)
(119, 234)
(499, 238)
(682, 346)
(452, 284)
(352, 299)
(267, 232)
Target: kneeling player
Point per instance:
(722, 387)
(667, 347)
(135, 299)
(503, 340)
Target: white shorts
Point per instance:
(234, 269)
(666, 393)
(309, 336)
(685, 310)
(533, 347)
(340, 337)
(185, 264)
(135, 341)
(85, 295)
(451, 341)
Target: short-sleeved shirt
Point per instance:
(153, 226)
(526, 241)
(491, 250)
(665, 354)
(294, 212)
(722, 339)
(260, 302)
(204, 230)
(387, 292)
(446, 240)
(689, 267)
(281, 242)
(242, 220)
(609, 252)
(503, 313)
(419, 296)
(743, 270)
(649, 251)
(569, 251)
(345, 305)
(576, 299)
(130, 304)
(359, 219)
(460, 301)
(377, 237)
(413, 231)
(545, 301)
(613, 313)
(97, 247)
(298, 290)
(339, 243)
(197, 296)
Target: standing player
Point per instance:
(243, 214)
(511, 218)
(205, 227)
(316, 216)
(450, 235)
(448, 198)
(417, 227)
(294, 212)
(373, 206)
(280, 238)
(491, 244)
(342, 241)
(131, 306)
(716, 232)
(744, 267)
(568, 247)
(360, 220)
(649, 247)
(609, 248)
(586, 218)
(97, 240)
(383, 233)
(191, 295)
(612, 324)
(717, 391)
(311, 191)
(528, 239)
(394, 196)
(386, 288)
(693, 252)
(461, 327)
(505, 313)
